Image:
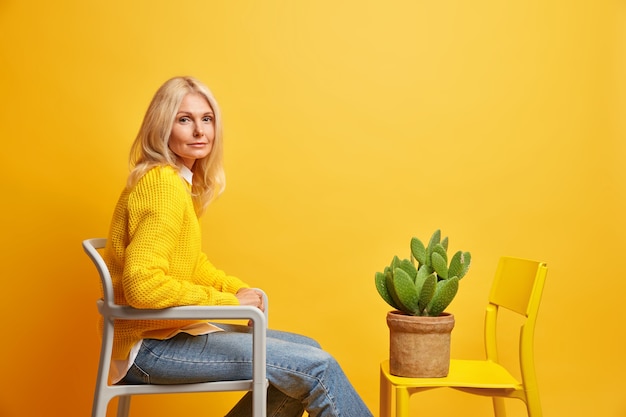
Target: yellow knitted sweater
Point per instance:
(155, 258)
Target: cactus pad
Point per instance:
(444, 294)
(405, 290)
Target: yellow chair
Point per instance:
(110, 312)
(517, 286)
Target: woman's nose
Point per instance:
(198, 132)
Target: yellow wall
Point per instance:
(350, 126)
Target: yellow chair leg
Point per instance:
(385, 396)
(402, 402)
(533, 405)
(498, 407)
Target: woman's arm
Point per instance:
(158, 206)
(210, 276)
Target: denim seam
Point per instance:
(183, 360)
(321, 383)
(279, 408)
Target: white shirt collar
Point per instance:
(186, 174)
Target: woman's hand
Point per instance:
(250, 297)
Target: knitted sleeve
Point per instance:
(158, 207)
(213, 277)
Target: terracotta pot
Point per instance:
(419, 347)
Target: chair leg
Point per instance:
(533, 406)
(498, 407)
(99, 407)
(402, 402)
(123, 405)
(385, 396)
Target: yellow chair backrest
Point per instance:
(518, 285)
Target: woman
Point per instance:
(155, 258)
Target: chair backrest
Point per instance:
(517, 286)
(91, 247)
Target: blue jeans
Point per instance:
(301, 375)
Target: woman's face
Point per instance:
(193, 132)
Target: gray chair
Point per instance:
(110, 311)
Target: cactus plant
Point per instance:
(425, 284)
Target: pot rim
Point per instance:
(399, 313)
(420, 324)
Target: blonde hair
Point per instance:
(151, 149)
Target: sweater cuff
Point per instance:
(232, 285)
(220, 298)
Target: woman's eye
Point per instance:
(184, 119)
(207, 119)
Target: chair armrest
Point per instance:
(186, 312)
(183, 313)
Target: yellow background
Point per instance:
(351, 126)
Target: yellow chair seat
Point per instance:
(463, 374)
